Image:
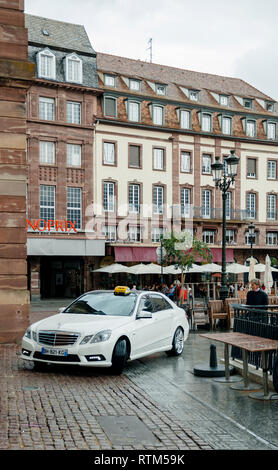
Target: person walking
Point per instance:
(256, 296)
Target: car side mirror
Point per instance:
(61, 309)
(144, 314)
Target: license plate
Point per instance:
(55, 352)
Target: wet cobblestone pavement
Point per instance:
(63, 407)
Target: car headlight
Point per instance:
(86, 339)
(28, 333)
(34, 334)
(101, 336)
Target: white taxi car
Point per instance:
(106, 328)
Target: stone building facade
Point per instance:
(16, 74)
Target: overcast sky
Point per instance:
(236, 39)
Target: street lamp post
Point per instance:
(251, 229)
(224, 175)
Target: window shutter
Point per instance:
(134, 155)
(110, 107)
(251, 166)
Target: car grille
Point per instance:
(51, 358)
(57, 338)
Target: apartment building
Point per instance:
(61, 110)
(120, 152)
(159, 130)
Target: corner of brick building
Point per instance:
(16, 75)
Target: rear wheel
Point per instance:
(119, 357)
(178, 343)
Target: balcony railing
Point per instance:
(217, 214)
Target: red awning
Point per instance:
(135, 253)
(217, 255)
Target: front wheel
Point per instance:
(119, 357)
(178, 343)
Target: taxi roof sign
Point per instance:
(122, 290)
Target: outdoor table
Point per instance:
(246, 343)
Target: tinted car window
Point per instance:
(159, 303)
(145, 304)
(104, 303)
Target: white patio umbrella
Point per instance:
(268, 279)
(210, 268)
(141, 268)
(260, 268)
(113, 268)
(236, 268)
(171, 269)
(251, 269)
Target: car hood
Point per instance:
(80, 323)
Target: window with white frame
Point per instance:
(133, 111)
(109, 153)
(271, 130)
(251, 239)
(134, 233)
(184, 119)
(247, 103)
(271, 238)
(158, 199)
(185, 202)
(206, 203)
(157, 233)
(74, 69)
(271, 206)
(110, 80)
(206, 122)
(158, 115)
(110, 106)
(46, 108)
(134, 198)
(73, 112)
(160, 89)
(108, 196)
(209, 236)
(74, 152)
(251, 205)
(251, 167)
(272, 169)
(74, 206)
(134, 84)
(269, 106)
(158, 159)
(206, 164)
(46, 64)
(226, 125)
(230, 237)
(47, 203)
(47, 152)
(185, 162)
(223, 100)
(193, 95)
(250, 128)
(110, 232)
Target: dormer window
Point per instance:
(269, 106)
(109, 80)
(134, 84)
(223, 100)
(46, 64)
(247, 103)
(74, 69)
(193, 95)
(160, 89)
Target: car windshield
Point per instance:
(104, 303)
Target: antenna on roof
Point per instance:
(150, 48)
